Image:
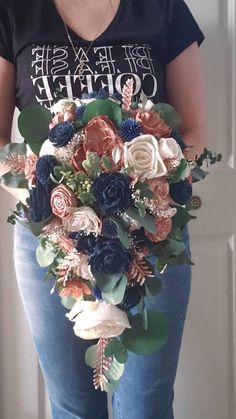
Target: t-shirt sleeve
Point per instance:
(182, 29)
(5, 35)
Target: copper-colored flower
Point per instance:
(62, 198)
(160, 188)
(101, 136)
(78, 157)
(76, 289)
(30, 163)
(66, 244)
(152, 123)
(163, 228)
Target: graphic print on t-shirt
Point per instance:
(106, 67)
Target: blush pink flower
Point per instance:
(66, 244)
(76, 289)
(152, 123)
(163, 228)
(62, 198)
(101, 136)
(160, 188)
(30, 164)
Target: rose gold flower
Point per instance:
(57, 119)
(30, 164)
(62, 198)
(152, 123)
(78, 157)
(163, 228)
(160, 188)
(101, 136)
(76, 289)
(66, 244)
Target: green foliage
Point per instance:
(169, 114)
(198, 174)
(45, 254)
(12, 149)
(116, 349)
(33, 123)
(91, 356)
(103, 107)
(14, 181)
(92, 165)
(153, 286)
(148, 221)
(208, 157)
(121, 231)
(146, 341)
(177, 175)
(113, 287)
(182, 217)
(35, 228)
(68, 302)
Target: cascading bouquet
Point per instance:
(109, 192)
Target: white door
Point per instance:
(206, 379)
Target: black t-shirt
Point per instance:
(144, 36)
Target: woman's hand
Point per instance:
(185, 91)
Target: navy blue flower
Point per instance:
(129, 129)
(109, 229)
(79, 113)
(39, 203)
(112, 192)
(84, 242)
(181, 192)
(61, 134)
(109, 257)
(131, 297)
(139, 238)
(44, 167)
(97, 293)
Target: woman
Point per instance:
(79, 47)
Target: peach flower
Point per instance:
(76, 289)
(101, 136)
(66, 244)
(30, 164)
(78, 157)
(160, 188)
(83, 219)
(95, 319)
(62, 198)
(163, 228)
(152, 123)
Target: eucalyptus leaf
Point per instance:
(106, 283)
(17, 149)
(148, 222)
(44, 256)
(182, 217)
(68, 302)
(115, 371)
(33, 123)
(14, 181)
(145, 342)
(91, 356)
(169, 114)
(153, 286)
(103, 107)
(116, 295)
(121, 231)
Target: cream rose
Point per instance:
(170, 149)
(95, 319)
(64, 105)
(142, 153)
(83, 218)
(47, 148)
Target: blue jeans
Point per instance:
(146, 388)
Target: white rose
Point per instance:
(83, 218)
(63, 105)
(95, 319)
(142, 153)
(47, 148)
(82, 268)
(170, 149)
